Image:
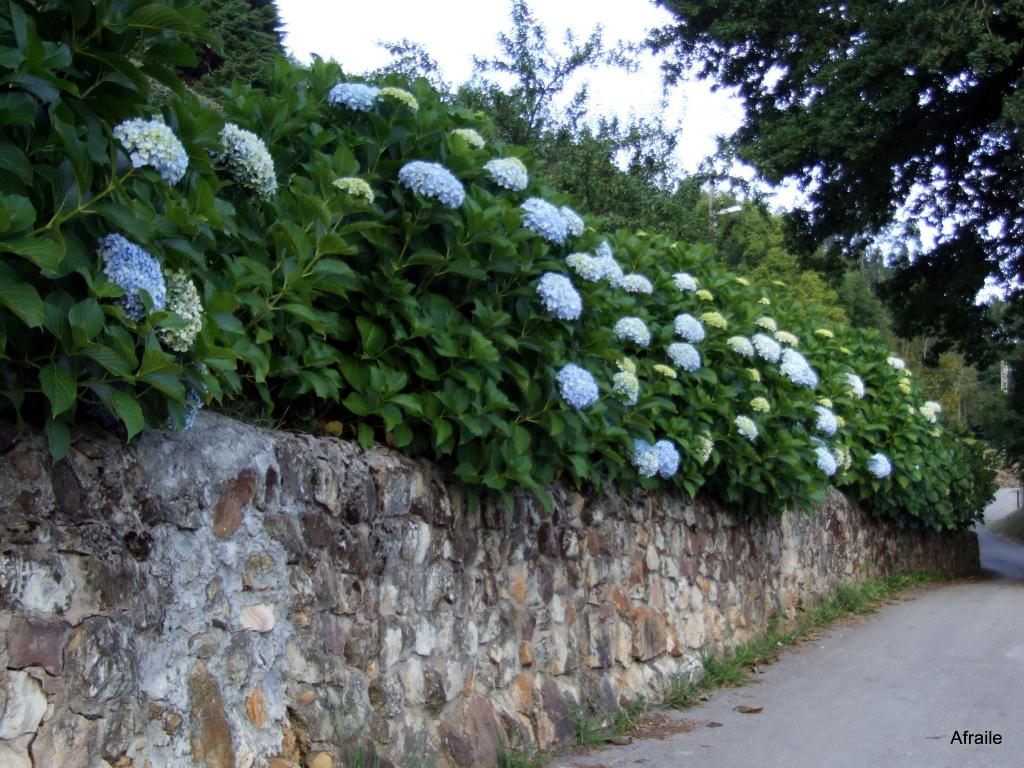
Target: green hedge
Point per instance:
(404, 320)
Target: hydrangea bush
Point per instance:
(416, 284)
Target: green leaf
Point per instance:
(110, 360)
(44, 253)
(58, 386)
(365, 436)
(58, 437)
(129, 411)
(86, 319)
(374, 337)
(20, 298)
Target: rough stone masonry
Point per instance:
(233, 597)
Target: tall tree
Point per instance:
(250, 31)
(876, 104)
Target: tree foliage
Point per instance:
(872, 104)
(250, 41)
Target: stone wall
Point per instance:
(234, 597)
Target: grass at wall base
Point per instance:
(327, 251)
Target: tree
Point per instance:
(250, 31)
(410, 61)
(873, 105)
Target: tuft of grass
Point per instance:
(517, 759)
(591, 727)
(732, 668)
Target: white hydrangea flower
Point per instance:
(632, 329)
(401, 95)
(826, 424)
(741, 281)
(586, 266)
(689, 328)
(854, 385)
(559, 297)
(896, 363)
(785, 337)
(685, 356)
(760, 405)
(767, 324)
(606, 260)
(508, 172)
(931, 410)
(432, 180)
(879, 465)
(645, 458)
(685, 282)
(705, 445)
(825, 461)
(766, 347)
(844, 459)
(796, 368)
(247, 159)
(765, 301)
(355, 187)
(705, 295)
(359, 97)
(740, 345)
(183, 300)
(746, 427)
(666, 371)
(755, 375)
(824, 333)
(577, 386)
(574, 223)
(471, 137)
(152, 142)
(626, 385)
(634, 284)
(544, 219)
(714, 320)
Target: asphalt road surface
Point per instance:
(890, 690)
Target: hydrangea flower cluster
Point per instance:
(355, 187)
(401, 95)
(508, 172)
(742, 281)
(668, 458)
(746, 427)
(740, 345)
(767, 324)
(755, 375)
(626, 385)
(685, 356)
(193, 404)
(432, 180)
(796, 368)
(152, 142)
(359, 97)
(611, 268)
(705, 295)
(634, 284)
(825, 402)
(931, 410)
(785, 337)
(760, 405)
(854, 385)
(559, 297)
(879, 465)
(247, 158)
(471, 137)
(765, 300)
(689, 328)
(705, 445)
(896, 363)
(589, 268)
(715, 320)
(844, 459)
(684, 281)
(127, 265)
(183, 300)
(632, 329)
(577, 386)
(825, 460)
(546, 220)
(645, 458)
(574, 223)
(905, 387)
(766, 347)
(824, 333)
(663, 370)
(826, 422)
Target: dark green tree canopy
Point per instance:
(250, 31)
(873, 103)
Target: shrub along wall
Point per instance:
(368, 260)
(232, 597)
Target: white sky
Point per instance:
(454, 30)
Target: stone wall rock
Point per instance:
(231, 597)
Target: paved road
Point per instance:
(887, 691)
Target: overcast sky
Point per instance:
(454, 30)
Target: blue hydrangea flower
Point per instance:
(577, 386)
(855, 385)
(879, 466)
(690, 328)
(432, 180)
(248, 160)
(559, 297)
(740, 345)
(746, 427)
(646, 458)
(668, 458)
(767, 347)
(545, 219)
(358, 97)
(684, 356)
(826, 423)
(508, 172)
(127, 265)
(626, 385)
(825, 460)
(684, 281)
(152, 142)
(632, 329)
(574, 224)
(609, 266)
(634, 284)
(796, 368)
